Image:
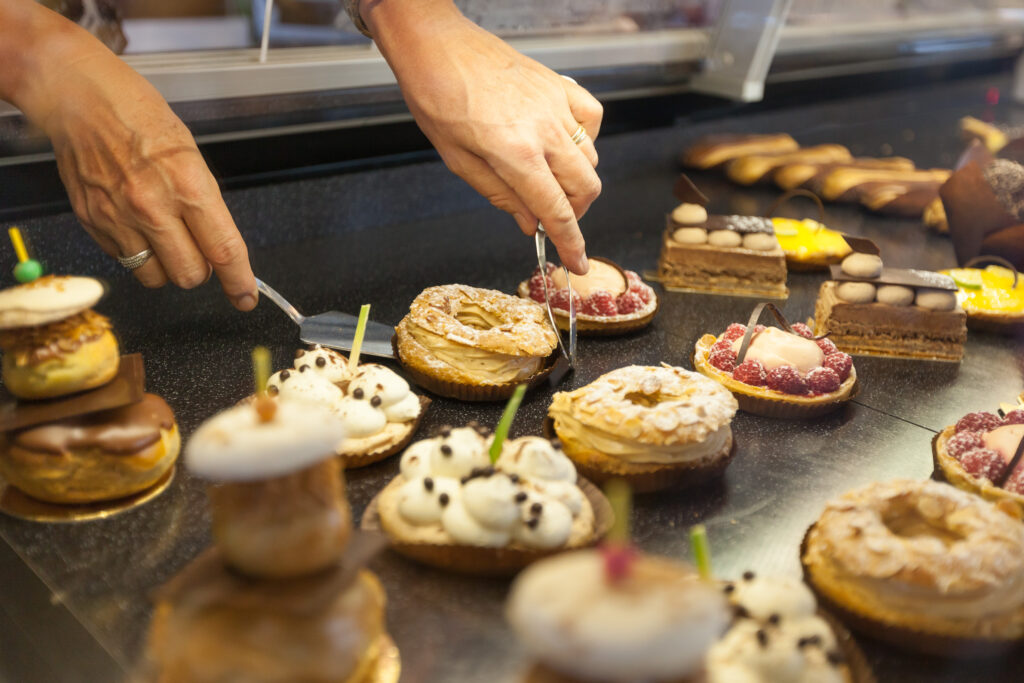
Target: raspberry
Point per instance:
(759, 328)
(841, 363)
(823, 380)
(629, 302)
(750, 372)
(560, 299)
(734, 332)
(826, 345)
(983, 463)
(979, 422)
(600, 303)
(786, 379)
(638, 287)
(722, 345)
(724, 359)
(537, 286)
(958, 444)
(1016, 481)
(633, 279)
(802, 330)
(1014, 417)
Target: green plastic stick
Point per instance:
(357, 341)
(701, 550)
(261, 368)
(501, 431)
(620, 495)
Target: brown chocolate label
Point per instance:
(686, 192)
(861, 245)
(906, 277)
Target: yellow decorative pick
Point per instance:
(620, 495)
(701, 551)
(266, 408)
(357, 341)
(28, 269)
(501, 431)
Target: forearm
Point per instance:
(394, 23)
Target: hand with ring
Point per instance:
(517, 132)
(134, 175)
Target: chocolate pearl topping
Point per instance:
(762, 637)
(774, 619)
(521, 497)
(532, 523)
(272, 390)
(728, 588)
(376, 401)
(303, 368)
(514, 478)
(808, 641)
(446, 432)
(285, 375)
(357, 393)
(321, 362)
(443, 499)
(556, 444)
(299, 353)
(428, 484)
(835, 658)
(446, 449)
(536, 509)
(748, 576)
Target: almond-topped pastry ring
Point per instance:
(610, 300)
(922, 565)
(474, 344)
(655, 427)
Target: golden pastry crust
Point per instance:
(497, 326)
(922, 558)
(51, 370)
(768, 402)
(950, 469)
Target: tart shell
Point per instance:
(770, 403)
(353, 460)
(474, 392)
(644, 478)
(481, 561)
(946, 646)
(949, 470)
(598, 326)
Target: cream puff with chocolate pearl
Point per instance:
(53, 342)
(324, 361)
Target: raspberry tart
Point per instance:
(782, 374)
(977, 452)
(609, 299)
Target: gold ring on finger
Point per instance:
(580, 135)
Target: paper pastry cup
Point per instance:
(474, 392)
(353, 460)
(597, 326)
(983, 321)
(906, 638)
(644, 478)
(765, 402)
(480, 561)
(949, 469)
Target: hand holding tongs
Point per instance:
(540, 238)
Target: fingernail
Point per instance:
(584, 264)
(246, 302)
(521, 221)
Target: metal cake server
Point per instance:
(334, 329)
(568, 354)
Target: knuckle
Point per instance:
(189, 277)
(226, 251)
(192, 184)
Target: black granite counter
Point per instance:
(381, 237)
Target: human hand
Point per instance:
(132, 170)
(501, 121)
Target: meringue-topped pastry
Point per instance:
(449, 493)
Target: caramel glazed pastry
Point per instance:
(870, 310)
(53, 342)
(378, 409)
(921, 564)
(100, 456)
(654, 426)
(460, 341)
(448, 493)
(274, 601)
(721, 254)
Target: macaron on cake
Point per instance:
(283, 595)
(379, 410)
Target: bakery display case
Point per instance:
(79, 597)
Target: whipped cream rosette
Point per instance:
(450, 507)
(379, 410)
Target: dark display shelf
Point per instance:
(381, 237)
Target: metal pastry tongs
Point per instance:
(568, 354)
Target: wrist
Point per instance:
(393, 23)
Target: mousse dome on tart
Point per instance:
(977, 454)
(474, 344)
(922, 565)
(609, 301)
(782, 374)
(654, 426)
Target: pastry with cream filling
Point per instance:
(922, 565)
(283, 595)
(379, 410)
(53, 342)
(450, 507)
(656, 427)
(867, 309)
(754, 168)
(976, 454)
(782, 374)
(609, 300)
(474, 344)
(712, 151)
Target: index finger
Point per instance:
(218, 238)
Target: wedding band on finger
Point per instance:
(580, 135)
(136, 260)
